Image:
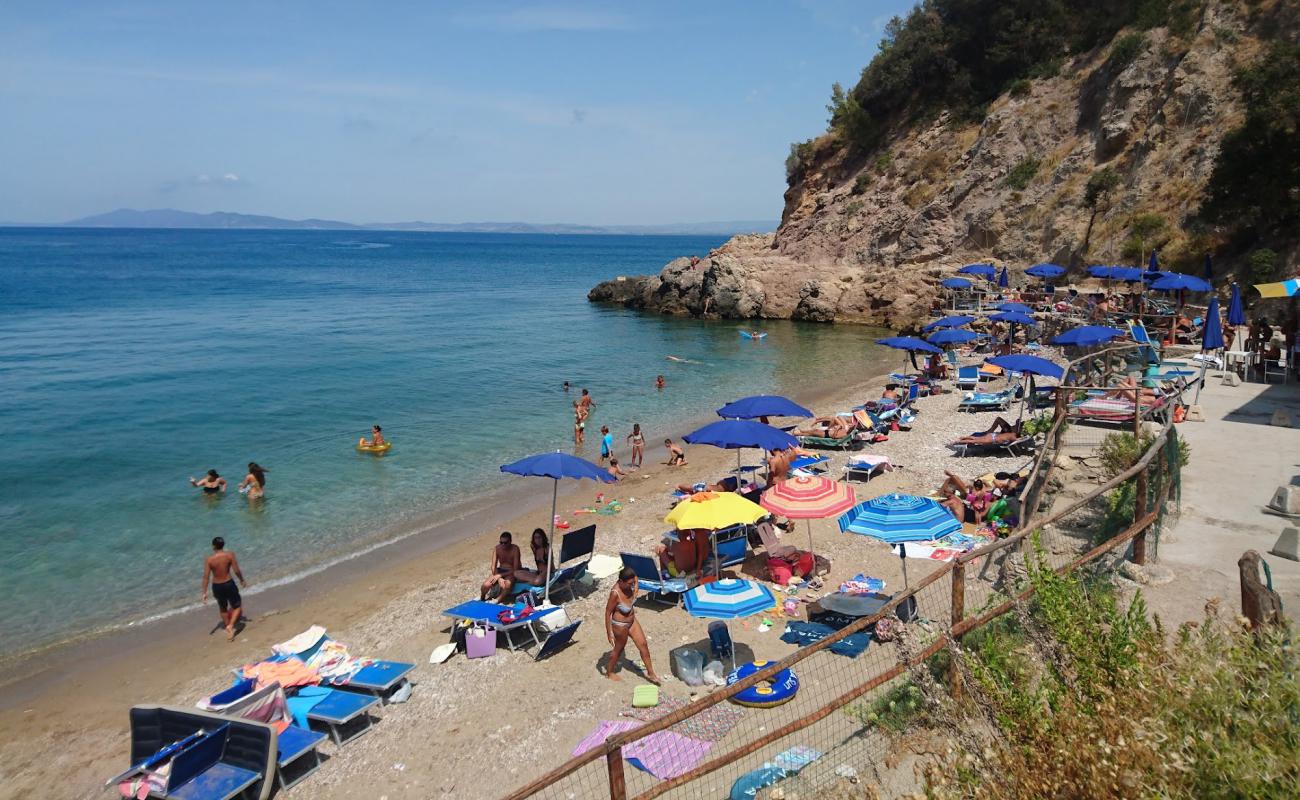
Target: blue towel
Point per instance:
(301, 704)
(806, 633)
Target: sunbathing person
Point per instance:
(541, 547)
(828, 428)
(1001, 432)
(506, 561)
(727, 484)
(967, 505)
(1125, 388)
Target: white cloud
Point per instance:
(230, 177)
(200, 181)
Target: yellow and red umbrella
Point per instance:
(809, 497)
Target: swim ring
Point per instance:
(383, 448)
(782, 689)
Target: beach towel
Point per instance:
(666, 754)
(786, 763)
(603, 731)
(301, 704)
(288, 673)
(301, 643)
(709, 725)
(603, 566)
(806, 633)
(861, 584)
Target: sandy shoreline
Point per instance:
(74, 699)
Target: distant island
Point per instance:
(171, 218)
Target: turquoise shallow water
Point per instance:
(130, 360)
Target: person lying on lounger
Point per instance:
(1124, 391)
(727, 484)
(1001, 432)
(828, 428)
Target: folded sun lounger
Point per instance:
(229, 758)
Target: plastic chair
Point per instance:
(720, 645)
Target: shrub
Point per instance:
(795, 163)
(919, 195)
(1263, 265)
(884, 161)
(894, 711)
(1020, 87)
(862, 183)
(1022, 173)
(854, 208)
(1100, 184)
(1125, 50)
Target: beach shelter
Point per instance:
(910, 344)
(808, 497)
(555, 466)
(948, 322)
(952, 336)
(1211, 339)
(763, 405)
(1126, 274)
(1283, 289)
(1087, 336)
(737, 434)
(1013, 317)
(1178, 282)
(898, 518)
(1236, 316)
(729, 599)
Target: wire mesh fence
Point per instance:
(835, 706)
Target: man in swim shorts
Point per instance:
(219, 567)
(506, 561)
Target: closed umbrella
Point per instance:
(737, 434)
(729, 599)
(555, 466)
(1211, 339)
(1236, 315)
(1209, 270)
(763, 405)
(808, 497)
(898, 518)
(1003, 281)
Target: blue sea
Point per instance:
(131, 360)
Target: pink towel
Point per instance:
(666, 754)
(603, 731)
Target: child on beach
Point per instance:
(614, 470)
(676, 455)
(606, 444)
(579, 422)
(637, 440)
(376, 438)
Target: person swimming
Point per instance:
(212, 483)
(376, 438)
(254, 483)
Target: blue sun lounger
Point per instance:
(656, 586)
(337, 709)
(489, 613)
(381, 679)
(557, 641)
(228, 758)
(986, 401)
(968, 377)
(293, 744)
(574, 545)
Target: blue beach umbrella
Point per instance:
(910, 343)
(949, 322)
(1126, 274)
(955, 283)
(1003, 281)
(1029, 365)
(1020, 308)
(728, 599)
(952, 336)
(555, 466)
(898, 518)
(763, 405)
(738, 434)
(1236, 314)
(985, 270)
(1087, 336)
(1177, 282)
(1211, 339)
(1014, 317)
(1045, 271)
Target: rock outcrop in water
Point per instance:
(866, 237)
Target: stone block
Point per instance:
(1288, 545)
(1281, 418)
(1286, 501)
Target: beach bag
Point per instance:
(480, 641)
(688, 665)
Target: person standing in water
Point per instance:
(376, 438)
(219, 567)
(254, 483)
(606, 444)
(211, 484)
(579, 423)
(586, 402)
(621, 624)
(659, 382)
(637, 440)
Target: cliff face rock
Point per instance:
(867, 237)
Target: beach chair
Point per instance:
(864, 466)
(656, 586)
(720, 644)
(968, 377)
(557, 641)
(579, 544)
(732, 545)
(489, 614)
(1148, 351)
(336, 709)
(810, 464)
(231, 758)
(294, 745)
(379, 678)
(986, 401)
(845, 443)
(1011, 445)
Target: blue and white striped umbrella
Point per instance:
(895, 518)
(728, 599)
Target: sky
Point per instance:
(644, 113)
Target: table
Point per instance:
(1245, 357)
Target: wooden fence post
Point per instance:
(1140, 511)
(958, 614)
(614, 763)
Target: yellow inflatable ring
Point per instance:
(383, 448)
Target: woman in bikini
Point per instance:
(637, 440)
(376, 438)
(579, 422)
(254, 483)
(621, 622)
(211, 484)
(541, 547)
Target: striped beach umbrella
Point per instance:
(808, 497)
(728, 599)
(895, 518)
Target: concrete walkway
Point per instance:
(1238, 459)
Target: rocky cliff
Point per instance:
(867, 236)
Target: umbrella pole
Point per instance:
(1197, 398)
(810, 551)
(902, 556)
(555, 495)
